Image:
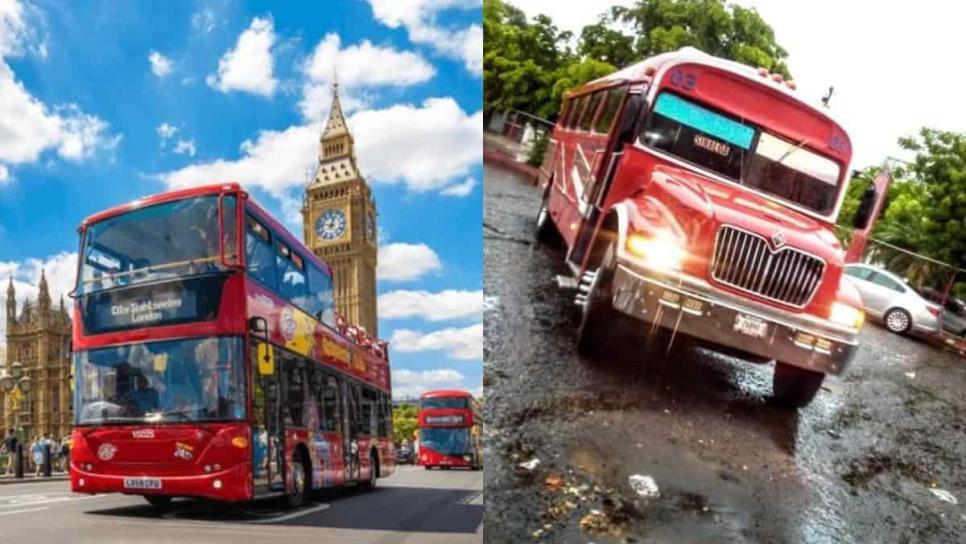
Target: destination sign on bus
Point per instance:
(151, 305)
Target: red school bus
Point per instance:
(449, 430)
(209, 360)
(699, 196)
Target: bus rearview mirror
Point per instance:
(266, 359)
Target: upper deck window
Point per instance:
(444, 402)
(173, 239)
(591, 110)
(742, 151)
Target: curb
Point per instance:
(502, 159)
(32, 480)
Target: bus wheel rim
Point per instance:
(298, 477)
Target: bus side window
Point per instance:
(565, 112)
(384, 411)
(579, 106)
(259, 255)
(292, 284)
(614, 98)
(294, 400)
(330, 404)
(591, 111)
(321, 303)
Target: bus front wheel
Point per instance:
(296, 496)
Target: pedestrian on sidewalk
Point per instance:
(10, 448)
(37, 454)
(65, 453)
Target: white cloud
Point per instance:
(185, 147)
(439, 306)
(459, 189)
(204, 20)
(165, 132)
(28, 126)
(275, 161)
(406, 262)
(13, 27)
(249, 66)
(459, 343)
(160, 64)
(411, 383)
(423, 147)
(61, 269)
(355, 66)
(4, 174)
(419, 19)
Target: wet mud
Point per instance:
(879, 456)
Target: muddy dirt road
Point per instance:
(868, 461)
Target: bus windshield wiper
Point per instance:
(800, 145)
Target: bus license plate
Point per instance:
(750, 325)
(142, 483)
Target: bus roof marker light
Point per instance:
(791, 85)
(763, 72)
(777, 78)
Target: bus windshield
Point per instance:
(444, 402)
(201, 379)
(740, 151)
(446, 441)
(162, 241)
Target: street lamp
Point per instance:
(15, 384)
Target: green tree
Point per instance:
(714, 26)
(404, 423)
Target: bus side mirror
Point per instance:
(864, 214)
(266, 359)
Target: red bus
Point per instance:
(209, 360)
(449, 430)
(699, 196)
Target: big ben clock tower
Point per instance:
(339, 222)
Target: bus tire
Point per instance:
(373, 473)
(795, 387)
(158, 501)
(602, 328)
(546, 232)
(300, 479)
(427, 467)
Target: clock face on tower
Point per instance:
(331, 224)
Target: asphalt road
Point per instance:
(412, 506)
(868, 461)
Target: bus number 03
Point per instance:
(681, 79)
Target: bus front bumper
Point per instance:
(232, 484)
(691, 306)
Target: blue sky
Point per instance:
(108, 101)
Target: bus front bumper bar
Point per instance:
(233, 483)
(691, 306)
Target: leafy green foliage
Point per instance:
(539, 149)
(530, 65)
(404, 423)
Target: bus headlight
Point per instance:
(844, 314)
(662, 250)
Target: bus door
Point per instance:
(350, 427)
(623, 109)
(267, 429)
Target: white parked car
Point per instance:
(888, 298)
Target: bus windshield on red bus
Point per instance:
(168, 240)
(199, 379)
(742, 152)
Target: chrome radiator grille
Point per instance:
(744, 260)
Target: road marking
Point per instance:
(42, 499)
(176, 515)
(300, 513)
(23, 511)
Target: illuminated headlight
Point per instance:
(216, 484)
(467, 458)
(661, 250)
(844, 314)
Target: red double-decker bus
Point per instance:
(449, 430)
(209, 360)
